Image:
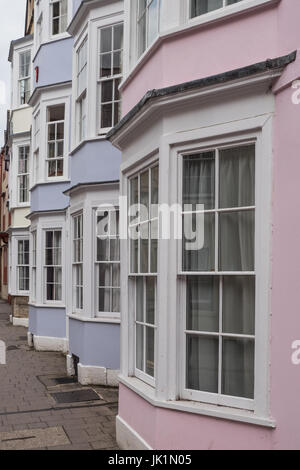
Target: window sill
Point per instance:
(220, 412)
(222, 14)
(104, 319)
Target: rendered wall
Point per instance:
(49, 197)
(49, 322)
(95, 161)
(96, 344)
(54, 60)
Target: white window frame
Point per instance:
(23, 175)
(211, 398)
(45, 266)
(139, 15)
(81, 93)
(77, 263)
(110, 237)
(132, 277)
(55, 142)
(33, 278)
(113, 77)
(52, 18)
(24, 78)
(23, 266)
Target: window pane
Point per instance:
(144, 194)
(237, 241)
(150, 300)
(202, 364)
(202, 259)
(238, 368)
(140, 347)
(202, 304)
(150, 351)
(152, 21)
(104, 275)
(106, 39)
(199, 180)
(118, 37)
(237, 177)
(239, 305)
(107, 91)
(154, 190)
(105, 65)
(134, 246)
(106, 115)
(200, 7)
(144, 248)
(102, 249)
(116, 300)
(104, 300)
(154, 245)
(116, 275)
(117, 63)
(140, 299)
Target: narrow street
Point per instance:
(40, 407)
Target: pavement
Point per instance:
(31, 414)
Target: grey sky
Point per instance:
(12, 24)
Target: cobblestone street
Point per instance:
(35, 411)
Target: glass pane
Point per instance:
(49, 239)
(140, 299)
(117, 112)
(117, 63)
(202, 304)
(51, 132)
(114, 249)
(237, 177)
(237, 241)
(105, 65)
(134, 191)
(142, 35)
(199, 180)
(104, 300)
(140, 347)
(150, 300)
(238, 368)
(102, 249)
(150, 351)
(116, 300)
(152, 21)
(104, 275)
(200, 7)
(118, 37)
(106, 39)
(106, 115)
(60, 131)
(154, 191)
(194, 258)
(144, 195)
(154, 245)
(107, 91)
(116, 86)
(116, 275)
(239, 305)
(134, 246)
(144, 248)
(202, 364)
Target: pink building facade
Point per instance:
(210, 118)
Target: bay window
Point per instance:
(23, 265)
(143, 231)
(59, 16)
(147, 23)
(219, 332)
(200, 7)
(108, 261)
(53, 265)
(78, 262)
(110, 75)
(23, 174)
(55, 136)
(24, 77)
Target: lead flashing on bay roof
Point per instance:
(89, 184)
(244, 72)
